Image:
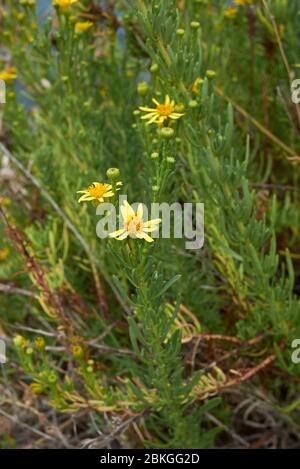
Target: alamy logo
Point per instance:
(176, 220)
(295, 88)
(2, 92)
(296, 353)
(2, 352)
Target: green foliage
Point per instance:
(126, 322)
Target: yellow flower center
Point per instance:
(164, 109)
(134, 225)
(97, 191)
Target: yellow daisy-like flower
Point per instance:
(8, 74)
(97, 191)
(230, 12)
(4, 253)
(243, 2)
(64, 4)
(197, 85)
(161, 113)
(82, 26)
(133, 224)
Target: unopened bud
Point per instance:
(167, 132)
(113, 173)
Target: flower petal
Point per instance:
(126, 211)
(114, 234)
(146, 237)
(147, 109)
(139, 212)
(155, 102)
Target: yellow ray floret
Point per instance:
(82, 26)
(97, 191)
(133, 224)
(64, 4)
(161, 112)
(8, 74)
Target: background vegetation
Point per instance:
(117, 344)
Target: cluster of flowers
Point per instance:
(133, 223)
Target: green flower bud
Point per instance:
(193, 104)
(170, 160)
(52, 377)
(195, 24)
(113, 173)
(143, 88)
(179, 107)
(36, 388)
(154, 155)
(167, 132)
(40, 343)
(29, 351)
(210, 74)
(136, 112)
(180, 32)
(154, 68)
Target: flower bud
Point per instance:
(167, 132)
(143, 88)
(40, 343)
(195, 24)
(179, 107)
(19, 341)
(77, 351)
(36, 388)
(113, 173)
(193, 104)
(170, 160)
(210, 74)
(180, 32)
(52, 377)
(154, 68)
(4, 253)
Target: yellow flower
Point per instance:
(82, 26)
(19, 341)
(8, 74)
(243, 2)
(97, 191)
(162, 112)
(77, 351)
(134, 225)
(36, 388)
(196, 85)
(4, 253)
(64, 4)
(230, 12)
(40, 343)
